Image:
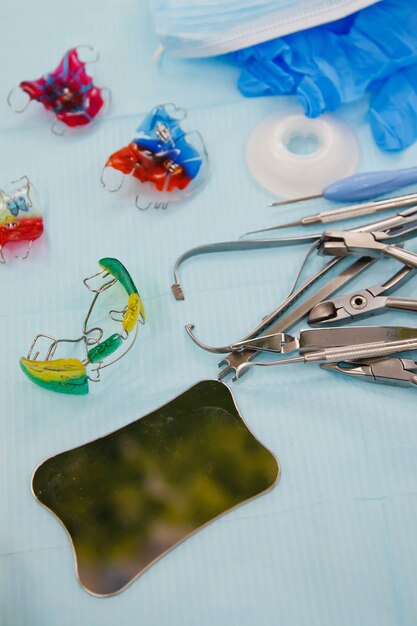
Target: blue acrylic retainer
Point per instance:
(169, 163)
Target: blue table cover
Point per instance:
(335, 542)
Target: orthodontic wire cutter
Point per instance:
(365, 302)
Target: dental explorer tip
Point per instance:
(265, 230)
(295, 200)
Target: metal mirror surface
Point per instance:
(129, 497)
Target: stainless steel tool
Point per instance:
(270, 333)
(274, 338)
(256, 341)
(388, 371)
(375, 244)
(341, 353)
(364, 302)
(405, 220)
(311, 340)
(362, 186)
(232, 246)
(345, 213)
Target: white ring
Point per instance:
(287, 174)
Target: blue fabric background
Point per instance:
(335, 542)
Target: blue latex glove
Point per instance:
(339, 62)
(393, 111)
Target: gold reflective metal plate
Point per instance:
(127, 498)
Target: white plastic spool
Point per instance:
(293, 156)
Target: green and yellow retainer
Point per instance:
(70, 375)
(135, 306)
(61, 375)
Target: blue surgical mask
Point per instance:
(198, 28)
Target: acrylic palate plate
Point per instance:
(129, 497)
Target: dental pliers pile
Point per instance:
(370, 353)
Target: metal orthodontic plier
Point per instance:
(402, 224)
(388, 371)
(352, 352)
(279, 321)
(345, 337)
(364, 302)
(374, 243)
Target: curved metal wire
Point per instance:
(9, 100)
(103, 184)
(141, 208)
(310, 250)
(214, 349)
(25, 256)
(58, 124)
(89, 47)
(176, 108)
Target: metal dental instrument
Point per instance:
(362, 186)
(278, 342)
(364, 302)
(316, 339)
(343, 353)
(266, 321)
(401, 219)
(388, 371)
(273, 341)
(345, 213)
(234, 359)
(375, 239)
(401, 224)
(312, 339)
(375, 244)
(230, 246)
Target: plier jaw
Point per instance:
(388, 371)
(364, 302)
(336, 311)
(350, 243)
(275, 342)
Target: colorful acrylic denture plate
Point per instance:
(20, 219)
(169, 162)
(61, 375)
(128, 498)
(134, 307)
(69, 375)
(68, 91)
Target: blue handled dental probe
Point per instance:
(362, 186)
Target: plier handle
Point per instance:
(388, 371)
